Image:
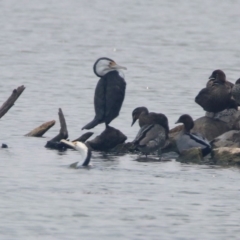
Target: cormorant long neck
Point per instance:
(88, 158)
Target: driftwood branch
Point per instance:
(39, 131)
(63, 133)
(84, 137)
(11, 100)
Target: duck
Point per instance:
(145, 117)
(152, 137)
(217, 96)
(85, 153)
(219, 75)
(186, 140)
(236, 91)
(109, 92)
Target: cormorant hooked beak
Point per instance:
(115, 66)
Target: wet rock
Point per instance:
(228, 139)
(56, 145)
(108, 139)
(210, 128)
(226, 115)
(236, 121)
(192, 155)
(125, 148)
(226, 156)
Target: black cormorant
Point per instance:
(109, 92)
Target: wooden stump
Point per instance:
(39, 131)
(11, 100)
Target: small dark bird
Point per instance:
(109, 92)
(217, 96)
(152, 137)
(236, 91)
(145, 117)
(187, 140)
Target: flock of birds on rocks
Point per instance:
(218, 95)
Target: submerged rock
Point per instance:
(107, 140)
(226, 156)
(125, 148)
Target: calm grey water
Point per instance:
(170, 48)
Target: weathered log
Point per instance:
(39, 131)
(84, 137)
(11, 100)
(55, 143)
(63, 133)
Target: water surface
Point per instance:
(170, 49)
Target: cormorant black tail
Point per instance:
(92, 124)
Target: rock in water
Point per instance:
(228, 139)
(192, 155)
(108, 139)
(226, 156)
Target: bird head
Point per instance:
(104, 65)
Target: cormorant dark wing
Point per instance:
(99, 104)
(108, 98)
(100, 99)
(114, 95)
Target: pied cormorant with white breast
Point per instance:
(109, 92)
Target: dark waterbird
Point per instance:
(186, 140)
(145, 117)
(109, 92)
(216, 97)
(152, 137)
(219, 76)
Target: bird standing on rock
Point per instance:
(186, 140)
(145, 117)
(109, 92)
(216, 97)
(154, 130)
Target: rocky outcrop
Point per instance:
(193, 155)
(226, 156)
(107, 140)
(228, 139)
